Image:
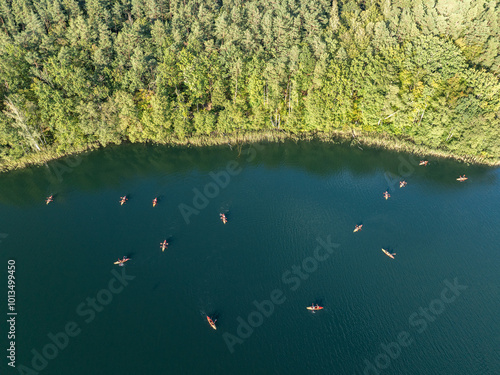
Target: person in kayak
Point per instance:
(164, 245)
(120, 262)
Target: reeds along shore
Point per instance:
(355, 139)
(390, 73)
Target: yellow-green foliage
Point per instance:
(100, 72)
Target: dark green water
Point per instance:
(279, 201)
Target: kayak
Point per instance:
(211, 322)
(388, 253)
(402, 184)
(358, 227)
(423, 162)
(387, 195)
(462, 178)
(121, 261)
(164, 245)
(155, 201)
(314, 308)
(49, 199)
(223, 218)
(123, 200)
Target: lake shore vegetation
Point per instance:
(419, 76)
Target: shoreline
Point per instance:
(375, 140)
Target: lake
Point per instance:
(288, 243)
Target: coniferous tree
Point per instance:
(79, 72)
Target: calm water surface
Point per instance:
(381, 316)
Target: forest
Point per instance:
(97, 72)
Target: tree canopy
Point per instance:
(104, 71)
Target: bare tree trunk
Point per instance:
(20, 122)
(236, 91)
(392, 114)
(265, 94)
(449, 135)
(421, 117)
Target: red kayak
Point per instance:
(155, 201)
(223, 218)
(49, 199)
(123, 200)
(211, 322)
(314, 307)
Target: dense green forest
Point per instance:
(75, 73)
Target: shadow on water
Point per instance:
(111, 166)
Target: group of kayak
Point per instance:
(389, 254)
(125, 199)
(402, 184)
(209, 319)
(460, 178)
(313, 307)
(164, 244)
